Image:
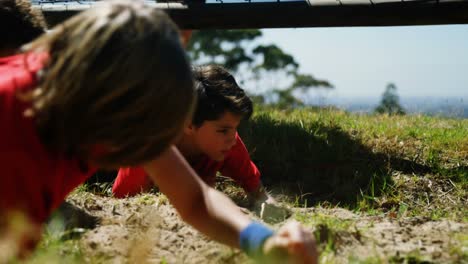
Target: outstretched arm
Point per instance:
(199, 205)
(238, 166)
(214, 214)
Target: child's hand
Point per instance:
(270, 200)
(265, 206)
(273, 212)
(292, 244)
(261, 196)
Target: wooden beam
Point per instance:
(311, 13)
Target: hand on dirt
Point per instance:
(267, 208)
(292, 244)
(273, 212)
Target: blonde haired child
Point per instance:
(111, 87)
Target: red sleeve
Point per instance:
(34, 180)
(131, 181)
(240, 168)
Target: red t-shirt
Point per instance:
(236, 165)
(33, 180)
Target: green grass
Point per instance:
(54, 249)
(434, 141)
(321, 219)
(351, 160)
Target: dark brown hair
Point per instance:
(218, 93)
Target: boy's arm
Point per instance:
(243, 170)
(238, 166)
(217, 216)
(199, 205)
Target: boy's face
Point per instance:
(216, 137)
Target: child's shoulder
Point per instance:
(19, 71)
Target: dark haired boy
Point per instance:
(210, 143)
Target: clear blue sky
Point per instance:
(421, 61)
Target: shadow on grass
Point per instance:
(70, 221)
(315, 163)
(101, 182)
(320, 163)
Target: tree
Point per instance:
(390, 102)
(255, 64)
(225, 47)
(290, 97)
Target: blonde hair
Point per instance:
(118, 78)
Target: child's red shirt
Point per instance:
(34, 180)
(237, 165)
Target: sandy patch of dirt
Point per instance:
(146, 229)
(388, 238)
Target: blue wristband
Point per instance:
(252, 238)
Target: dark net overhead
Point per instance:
(216, 14)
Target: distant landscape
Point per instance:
(434, 106)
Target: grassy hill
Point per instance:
(341, 158)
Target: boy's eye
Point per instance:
(223, 131)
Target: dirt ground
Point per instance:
(384, 238)
(146, 229)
